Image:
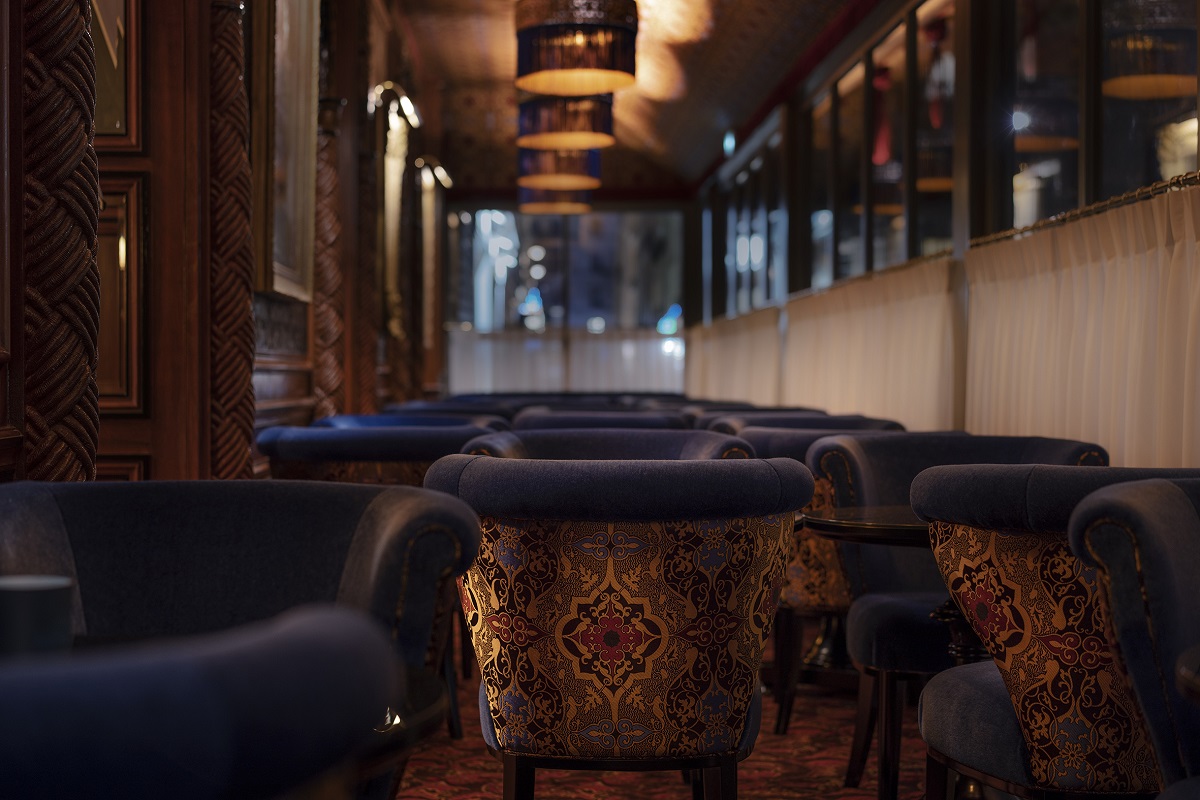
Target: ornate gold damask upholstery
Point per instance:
(632, 639)
(1037, 609)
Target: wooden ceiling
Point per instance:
(703, 67)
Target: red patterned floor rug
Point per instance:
(808, 762)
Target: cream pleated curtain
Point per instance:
(635, 360)
(883, 345)
(1091, 330)
(736, 359)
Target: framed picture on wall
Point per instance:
(282, 42)
(118, 85)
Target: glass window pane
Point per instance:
(887, 150)
(1148, 92)
(820, 202)
(851, 95)
(1045, 113)
(935, 124)
(522, 271)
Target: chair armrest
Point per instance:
(1144, 540)
(249, 712)
(415, 540)
(1039, 613)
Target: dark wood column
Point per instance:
(231, 279)
(61, 211)
(329, 310)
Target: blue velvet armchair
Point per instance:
(176, 558)
(620, 609)
(1051, 713)
(891, 635)
(254, 712)
(609, 443)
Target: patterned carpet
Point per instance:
(809, 762)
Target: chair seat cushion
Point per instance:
(745, 746)
(966, 714)
(893, 631)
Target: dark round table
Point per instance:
(895, 525)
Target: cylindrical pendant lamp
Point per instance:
(566, 123)
(1149, 49)
(575, 47)
(540, 201)
(558, 170)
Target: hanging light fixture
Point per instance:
(575, 47)
(558, 170)
(1150, 49)
(540, 201)
(566, 123)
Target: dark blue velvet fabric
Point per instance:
(426, 419)
(425, 443)
(704, 417)
(471, 408)
(163, 558)
(745, 746)
(1144, 537)
(736, 423)
(623, 490)
(1027, 497)
(250, 712)
(537, 418)
(966, 714)
(787, 442)
(914, 641)
(883, 466)
(1183, 790)
(610, 443)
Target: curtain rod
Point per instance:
(1136, 196)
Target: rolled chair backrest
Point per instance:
(469, 407)
(999, 534)
(620, 608)
(1143, 539)
(160, 558)
(535, 418)
(878, 469)
(735, 423)
(702, 418)
(421, 419)
(393, 455)
(608, 444)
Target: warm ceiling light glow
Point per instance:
(566, 123)
(572, 48)
(660, 76)
(558, 170)
(673, 22)
(537, 201)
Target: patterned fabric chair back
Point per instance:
(620, 609)
(1000, 541)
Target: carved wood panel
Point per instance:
(62, 201)
(119, 258)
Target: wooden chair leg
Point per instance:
(696, 780)
(789, 663)
(936, 779)
(453, 714)
(864, 728)
(891, 717)
(720, 783)
(519, 778)
(466, 649)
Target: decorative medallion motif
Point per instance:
(612, 638)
